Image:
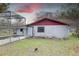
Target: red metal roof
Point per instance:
(47, 21)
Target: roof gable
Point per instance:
(47, 21)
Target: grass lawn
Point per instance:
(46, 47)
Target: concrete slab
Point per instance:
(11, 39)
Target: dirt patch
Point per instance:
(74, 49)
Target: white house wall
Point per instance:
(21, 33)
(58, 31)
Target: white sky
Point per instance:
(50, 7)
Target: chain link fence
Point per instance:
(9, 22)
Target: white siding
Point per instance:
(58, 31)
(21, 33)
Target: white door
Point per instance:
(29, 31)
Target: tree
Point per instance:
(71, 11)
(3, 7)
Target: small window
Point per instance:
(21, 29)
(40, 29)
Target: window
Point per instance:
(40, 29)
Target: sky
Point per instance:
(29, 10)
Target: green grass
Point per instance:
(46, 47)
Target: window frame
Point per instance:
(40, 29)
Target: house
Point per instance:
(45, 28)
